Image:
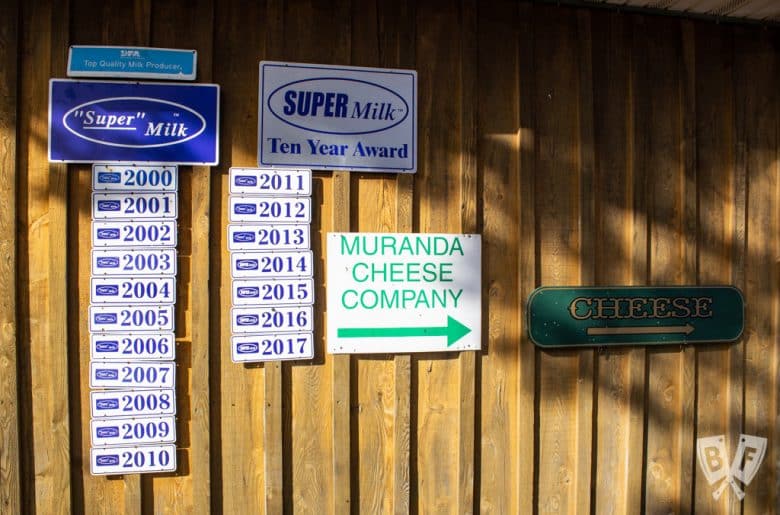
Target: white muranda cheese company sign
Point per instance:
(403, 292)
(337, 117)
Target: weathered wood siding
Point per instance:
(587, 147)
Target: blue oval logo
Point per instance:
(245, 209)
(245, 180)
(247, 320)
(106, 346)
(334, 105)
(107, 460)
(109, 205)
(134, 122)
(107, 262)
(108, 234)
(104, 404)
(105, 318)
(104, 290)
(244, 237)
(107, 432)
(106, 373)
(248, 292)
(247, 348)
(109, 178)
(247, 264)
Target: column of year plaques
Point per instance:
(272, 288)
(131, 319)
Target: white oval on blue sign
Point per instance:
(127, 122)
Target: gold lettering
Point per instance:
(661, 307)
(703, 307)
(573, 308)
(637, 307)
(602, 307)
(681, 306)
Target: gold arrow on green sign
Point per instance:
(660, 329)
(454, 331)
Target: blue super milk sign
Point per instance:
(122, 122)
(337, 117)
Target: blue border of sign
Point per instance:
(132, 62)
(348, 69)
(183, 120)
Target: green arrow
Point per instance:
(454, 331)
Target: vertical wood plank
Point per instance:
(322, 472)
(176, 24)
(273, 418)
(658, 157)
(239, 436)
(499, 162)
(565, 376)
(640, 264)
(85, 487)
(402, 426)
(382, 37)
(527, 419)
(760, 108)
(200, 292)
(383, 203)
(440, 184)
(619, 418)
(343, 468)
(90, 490)
(272, 426)
(9, 400)
(588, 197)
(469, 202)
(343, 493)
(373, 210)
(715, 139)
(398, 50)
(97, 23)
(685, 56)
(44, 271)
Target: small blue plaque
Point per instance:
(132, 62)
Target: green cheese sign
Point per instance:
(625, 315)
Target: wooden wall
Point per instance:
(587, 147)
